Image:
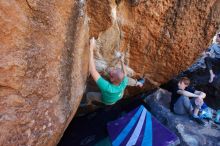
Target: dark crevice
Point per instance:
(117, 2)
(29, 5)
(134, 2)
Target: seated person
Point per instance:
(112, 90)
(213, 56)
(180, 102)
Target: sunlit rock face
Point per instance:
(43, 69)
(44, 54)
(160, 39)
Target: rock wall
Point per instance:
(44, 54)
(42, 73)
(160, 38)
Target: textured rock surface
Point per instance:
(159, 38)
(42, 75)
(189, 132)
(44, 54)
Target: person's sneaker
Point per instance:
(198, 119)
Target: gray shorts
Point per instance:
(184, 105)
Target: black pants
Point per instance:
(210, 61)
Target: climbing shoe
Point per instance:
(142, 80)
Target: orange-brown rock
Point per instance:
(160, 38)
(43, 69)
(44, 54)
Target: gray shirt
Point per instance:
(215, 49)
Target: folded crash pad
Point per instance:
(139, 128)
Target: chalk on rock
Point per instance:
(117, 54)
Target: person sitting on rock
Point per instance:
(213, 57)
(111, 91)
(180, 102)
